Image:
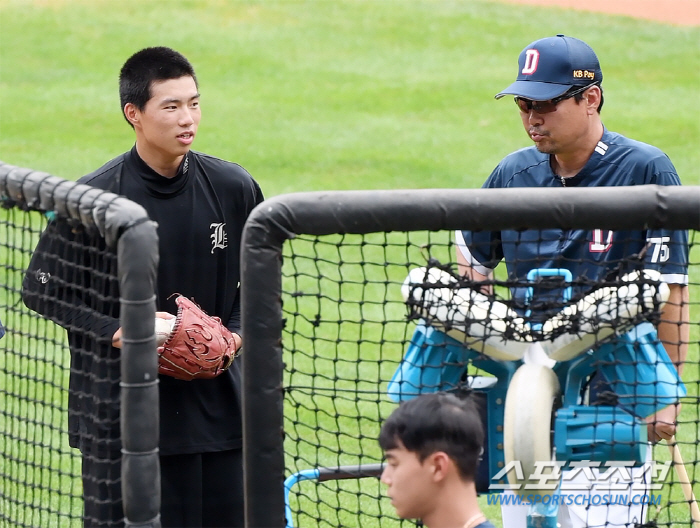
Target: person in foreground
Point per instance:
(432, 445)
(200, 204)
(559, 95)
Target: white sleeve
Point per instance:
(675, 278)
(464, 250)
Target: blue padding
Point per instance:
(433, 362)
(599, 434)
(639, 371)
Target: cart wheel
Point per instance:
(528, 422)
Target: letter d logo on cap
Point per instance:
(532, 58)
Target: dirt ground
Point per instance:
(677, 12)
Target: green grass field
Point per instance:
(322, 94)
(338, 94)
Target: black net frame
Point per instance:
(285, 218)
(131, 238)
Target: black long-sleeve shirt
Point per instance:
(200, 215)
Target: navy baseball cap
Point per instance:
(548, 67)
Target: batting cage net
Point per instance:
(78, 417)
(570, 315)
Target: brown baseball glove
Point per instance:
(199, 346)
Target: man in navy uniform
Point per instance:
(559, 95)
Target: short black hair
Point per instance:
(438, 422)
(147, 66)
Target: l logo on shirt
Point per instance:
(218, 236)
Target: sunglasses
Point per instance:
(545, 107)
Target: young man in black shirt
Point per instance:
(200, 204)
